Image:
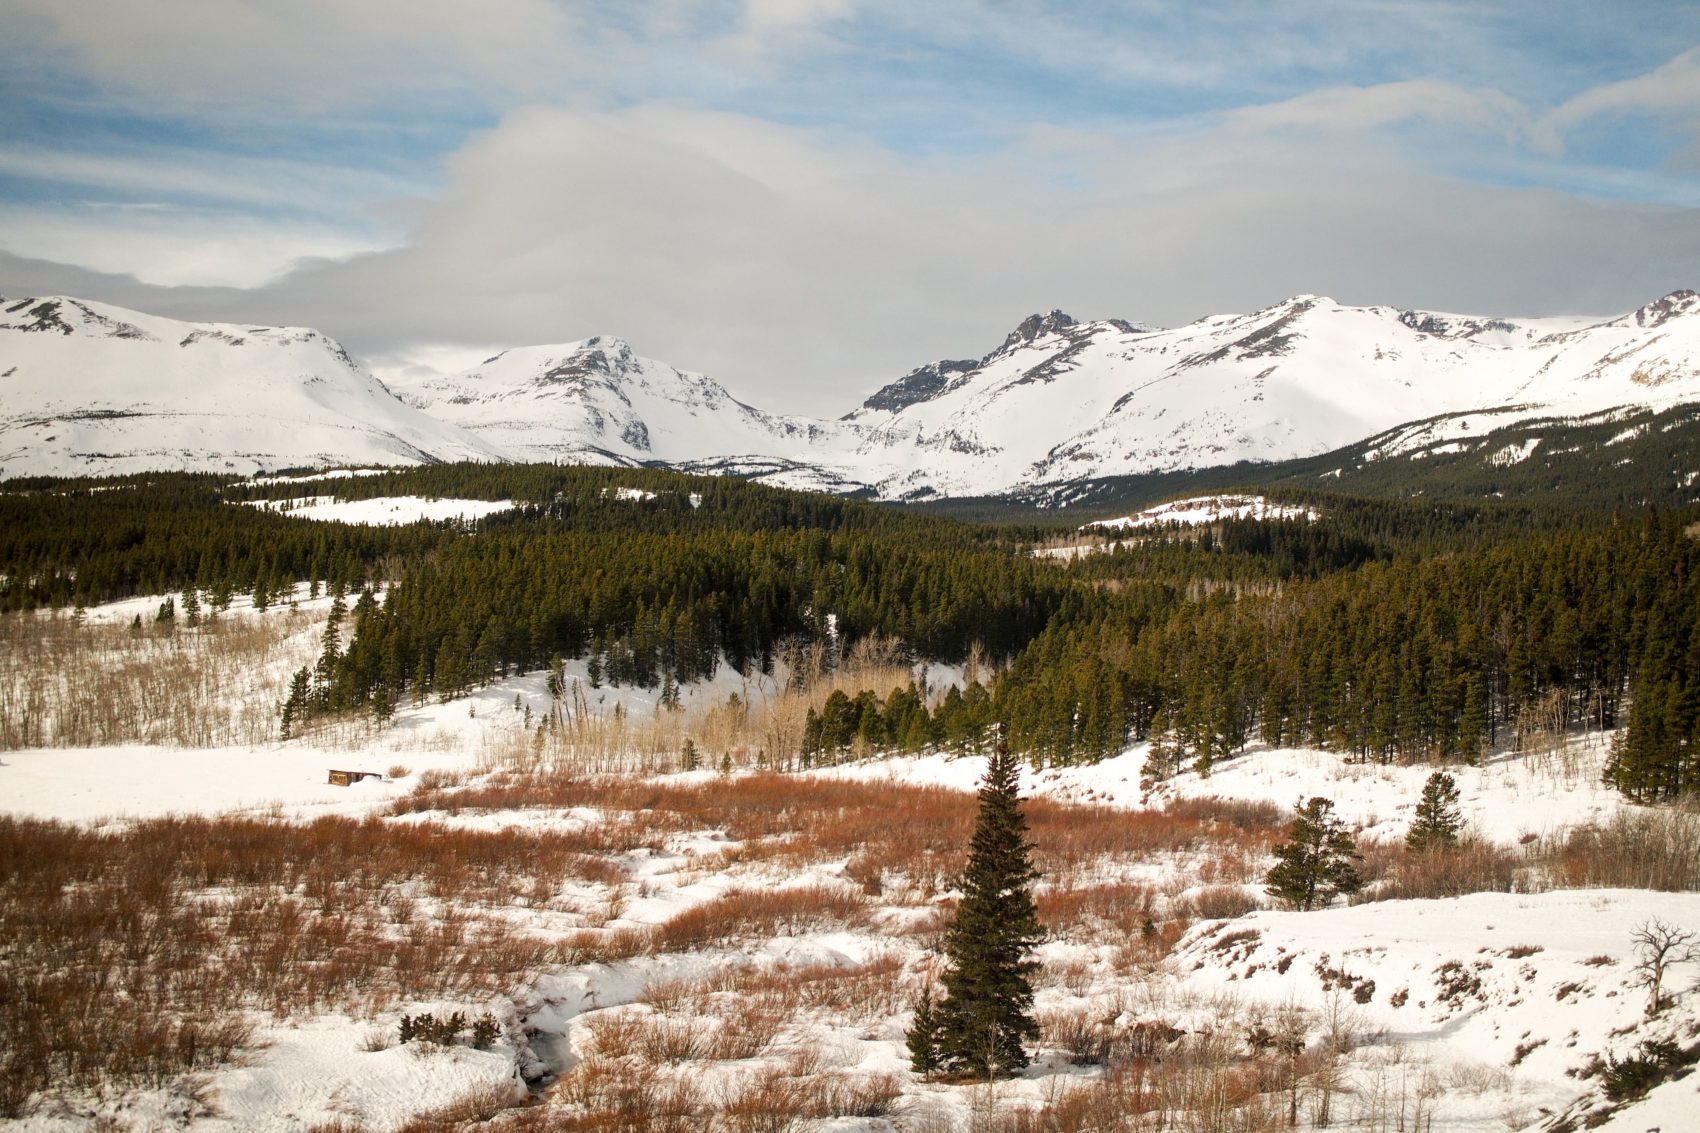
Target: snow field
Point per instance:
(385, 511)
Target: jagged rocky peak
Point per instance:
(1660, 311)
(1035, 327)
(921, 384)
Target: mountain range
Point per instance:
(91, 389)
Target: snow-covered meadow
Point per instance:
(740, 949)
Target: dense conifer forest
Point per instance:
(1389, 629)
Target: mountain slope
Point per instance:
(92, 389)
(597, 401)
(1062, 401)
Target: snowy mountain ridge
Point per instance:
(92, 389)
(1074, 401)
(1058, 402)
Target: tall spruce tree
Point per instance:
(986, 1013)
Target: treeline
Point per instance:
(645, 609)
(82, 542)
(69, 546)
(1412, 659)
(621, 500)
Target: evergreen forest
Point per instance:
(1392, 629)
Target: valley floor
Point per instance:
(742, 950)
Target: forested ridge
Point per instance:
(1387, 629)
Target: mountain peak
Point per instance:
(60, 314)
(1034, 327)
(1684, 301)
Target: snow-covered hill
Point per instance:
(597, 402)
(91, 389)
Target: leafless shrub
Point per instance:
(671, 1041)
(1652, 848)
(1088, 1037)
(1470, 866)
(1223, 902)
(302, 926)
(857, 1095)
(769, 1101)
(671, 996)
(71, 683)
(748, 1026)
(474, 1108)
(743, 913)
(1110, 911)
(1659, 945)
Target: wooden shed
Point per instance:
(344, 778)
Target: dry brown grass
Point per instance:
(167, 930)
(132, 955)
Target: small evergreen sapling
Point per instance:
(922, 1038)
(1437, 820)
(1315, 864)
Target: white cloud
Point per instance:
(804, 272)
(767, 16)
(297, 54)
(176, 172)
(1388, 104)
(162, 245)
(1672, 90)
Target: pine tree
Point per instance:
(922, 1038)
(1314, 865)
(296, 705)
(986, 1013)
(1437, 819)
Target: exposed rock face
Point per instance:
(921, 384)
(1032, 328)
(1661, 311)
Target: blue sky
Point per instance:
(808, 197)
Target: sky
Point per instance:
(808, 198)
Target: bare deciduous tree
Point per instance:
(1658, 946)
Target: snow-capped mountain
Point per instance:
(91, 389)
(597, 401)
(1063, 401)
